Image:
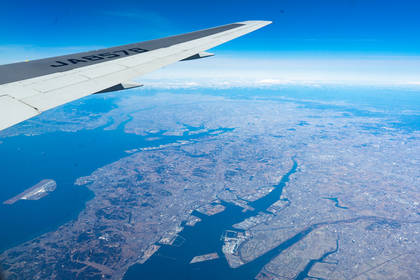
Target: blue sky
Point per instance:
(326, 40)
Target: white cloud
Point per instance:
(371, 70)
(241, 83)
(272, 82)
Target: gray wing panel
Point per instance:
(26, 70)
(49, 83)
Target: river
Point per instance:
(171, 262)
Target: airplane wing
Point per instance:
(30, 88)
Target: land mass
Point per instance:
(351, 208)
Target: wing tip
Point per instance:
(264, 22)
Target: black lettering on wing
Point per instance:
(60, 63)
(125, 52)
(109, 55)
(75, 61)
(92, 57)
(137, 50)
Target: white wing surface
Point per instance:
(30, 88)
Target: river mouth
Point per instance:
(173, 262)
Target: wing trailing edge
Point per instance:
(30, 88)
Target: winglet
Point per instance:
(198, 55)
(122, 86)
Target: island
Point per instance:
(36, 192)
(204, 258)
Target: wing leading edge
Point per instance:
(30, 88)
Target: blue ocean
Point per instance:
(62, 157)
